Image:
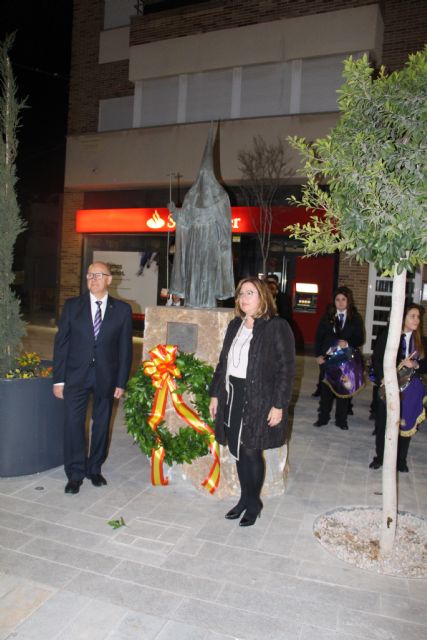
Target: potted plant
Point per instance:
(31, 434)
(30, 416)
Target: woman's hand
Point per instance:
(274, 416)
(213, 406)
(320, 360)
(409, 363)
(343, 344)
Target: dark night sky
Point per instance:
(40, 59)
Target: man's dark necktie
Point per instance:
(403, 347)
(97, 320)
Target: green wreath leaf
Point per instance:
(187, 445)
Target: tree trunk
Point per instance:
(389, 515)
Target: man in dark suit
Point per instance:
(92, 356)
(283, 303)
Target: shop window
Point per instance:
(158, 101)
(115, 113)
(320, 79)
(265, 90)
(301, 86)
(209, 95)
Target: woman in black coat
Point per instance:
(251, 390)
(412, 355)
(342, 327)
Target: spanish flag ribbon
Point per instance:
(162, 370)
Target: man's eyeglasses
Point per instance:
(96, 276)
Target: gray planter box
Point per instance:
(31, 427)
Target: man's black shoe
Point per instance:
(319, 423)
(344, 427)
(97, 480)
(73, 486)
(402, 467)
(375, 464)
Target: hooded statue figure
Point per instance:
(202, 271)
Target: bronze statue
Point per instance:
(202, 271)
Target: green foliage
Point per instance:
(11, 325)
(187, 444)
(375, 164)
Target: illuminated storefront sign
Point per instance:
(153, 220)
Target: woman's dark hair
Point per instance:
(418, 340)
(267, 307)
(351, 309)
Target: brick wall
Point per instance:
(405, 30)
(218, 14)
(405, 21)
(90, 81)
(355, 276)
(71, 248)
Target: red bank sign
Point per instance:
(159, 220)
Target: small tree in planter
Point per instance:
(375, 163)
(31, 437)
(12, 326)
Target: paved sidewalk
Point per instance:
(180, 571)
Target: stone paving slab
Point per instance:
(179, 571)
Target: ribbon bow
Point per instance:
(162, 370)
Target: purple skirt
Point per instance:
(412, 407)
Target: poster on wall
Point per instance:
(135, 277)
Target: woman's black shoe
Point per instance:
(250, 517)
(235, 512)
(402, 467)
(375, 464)
(249, 520)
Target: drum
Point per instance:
(404, 377)
(344, 372)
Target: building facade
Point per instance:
(147, 79)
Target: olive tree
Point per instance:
(374, 162)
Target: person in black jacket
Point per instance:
(341, 327)
(282, 301)
(411, 354)
(92, 357)
(251, 390)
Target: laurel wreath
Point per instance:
(187, 444)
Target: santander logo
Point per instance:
(155, 222)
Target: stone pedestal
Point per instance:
(201, 331)
(198, 331)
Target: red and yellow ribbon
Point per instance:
(162, 370)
